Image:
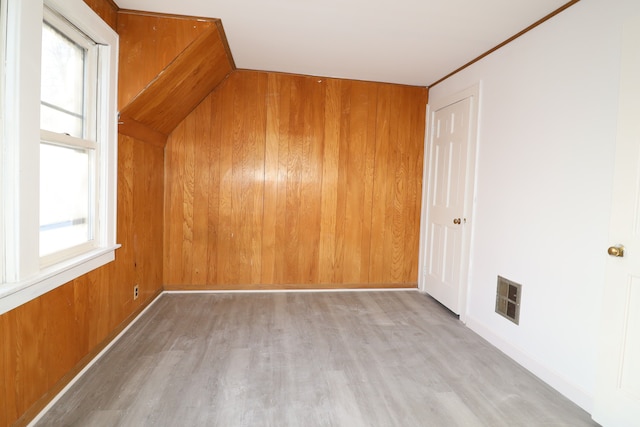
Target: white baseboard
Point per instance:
(280, 291)
(552, 378)
(91, 363)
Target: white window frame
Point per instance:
(89, 140)
(23, 277)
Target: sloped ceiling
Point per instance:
(413, 42)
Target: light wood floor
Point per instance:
(307, 359)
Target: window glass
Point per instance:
(62, 84)
(65, 198)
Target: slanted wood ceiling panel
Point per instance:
(148, 43)
(182, 84)
(281, 181)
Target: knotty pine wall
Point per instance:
(46, 341)
(283, 181)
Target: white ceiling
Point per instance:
(414, 42)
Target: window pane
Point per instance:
(58, 121)
(65, 198)
(62, 82)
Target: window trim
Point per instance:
(23, 278)
(3, 45)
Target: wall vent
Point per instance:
(508, 297)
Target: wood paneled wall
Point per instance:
(46, 341)
(282, 181)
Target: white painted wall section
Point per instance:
(547, 133)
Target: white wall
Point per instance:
(544, 184)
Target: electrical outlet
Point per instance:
(135, 292)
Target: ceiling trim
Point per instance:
(507, 41)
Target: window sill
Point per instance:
(13, 295)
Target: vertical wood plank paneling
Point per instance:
(214, 201)
(329, 189)
(94, 294)
(225, 226)
(311, 190)
(380, 204)
(174, 206)
(9, 399)
(401, 187)
(82, 308)
(412, 233)
(341, 193)
(147, 212)
(201, 179)
(59, 357)
(355, 170)
(284, 93)
(125, 273)
(369, 175)
(31, 354)
(293, 181)
(271, 155)
(148, 43)
(256, 139)
(311, 183)
(394, 190)
(187, 167)
(240, 226)
(8, 387)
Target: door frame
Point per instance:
(473, 93)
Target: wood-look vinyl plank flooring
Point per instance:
(307, 359)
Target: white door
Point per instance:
(448, 201)
(617, 401)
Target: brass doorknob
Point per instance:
(617, 251)
(456, 221)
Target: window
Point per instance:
(57, 208)
(68, 147)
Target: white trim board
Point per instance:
(554, 379)
(280, 291)
(92, 362)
